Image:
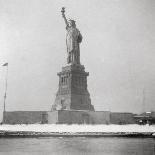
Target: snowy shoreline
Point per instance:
(78, 128)
(46, 130)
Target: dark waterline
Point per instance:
(78, 145)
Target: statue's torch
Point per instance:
(63, 11)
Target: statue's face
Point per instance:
(72, 23)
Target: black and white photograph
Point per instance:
(77, 77)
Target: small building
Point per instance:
(145, 118)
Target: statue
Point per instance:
(73, 39)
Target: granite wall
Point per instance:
(73, 117)
(23, 117)
(122, 118)
(99, 117)
(79, 117)
(68, 117)
(52, 117)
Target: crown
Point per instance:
(71, 20)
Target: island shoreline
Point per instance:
(29, 134)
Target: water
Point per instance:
(77, 146)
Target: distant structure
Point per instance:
(72, 92)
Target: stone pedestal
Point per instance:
(72, 93)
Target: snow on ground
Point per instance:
(79, 128)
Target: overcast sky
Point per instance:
(118, 50)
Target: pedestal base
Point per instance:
(72, 93)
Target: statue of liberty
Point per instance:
(73, 39)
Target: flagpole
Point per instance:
(5, 94)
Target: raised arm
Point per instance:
(63, 15)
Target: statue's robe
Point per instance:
(73, 39)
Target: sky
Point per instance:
(117, 50)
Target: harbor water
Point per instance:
(77, 146)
